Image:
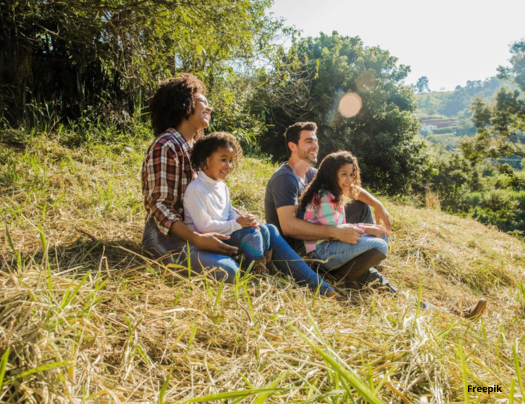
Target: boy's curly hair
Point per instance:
(326, 178)
(207, 145)
(173, 101)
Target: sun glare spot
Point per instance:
(350, 105)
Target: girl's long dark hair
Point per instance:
(326, 178)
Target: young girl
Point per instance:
(207, 205)
(322, 202)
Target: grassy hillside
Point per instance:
(86, 317)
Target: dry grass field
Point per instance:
(85, 317)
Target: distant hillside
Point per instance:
(453, 103)
(446, 116)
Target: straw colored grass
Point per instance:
(86, 317)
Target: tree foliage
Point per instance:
(103, 55)
(421, 85)
(311, 80)
(501, 125)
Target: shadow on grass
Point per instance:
(81, 256)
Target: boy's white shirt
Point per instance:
(207, 207)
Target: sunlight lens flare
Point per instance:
(350, 105)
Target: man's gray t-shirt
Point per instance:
(284, 189)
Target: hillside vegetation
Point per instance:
(86, 317)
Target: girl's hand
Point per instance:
(376, 230)
(247, 221)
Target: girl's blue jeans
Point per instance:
(333, 254)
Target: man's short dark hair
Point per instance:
(173, 101)
(293, 132)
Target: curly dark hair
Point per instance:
(326, 178)
(207, 145)
(173, 101)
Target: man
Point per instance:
(281, 208)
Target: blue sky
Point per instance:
(449, 41)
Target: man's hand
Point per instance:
(247, 221)
(348, 233)
(212, 242)
(376, 230)
(382, 216)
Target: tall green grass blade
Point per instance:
(261, 398)
(232, 394)
(192, 337)
(164, 388)
(518, 370)
(42, 369)
(69, 297)
(351, 377)
(418, 308)
(320, 397)
(219, 293)
(15, 251)
(511, 392)
(3, 365)
(463, 372)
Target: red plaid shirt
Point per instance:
(166, 172)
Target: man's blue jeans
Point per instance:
(289, 262)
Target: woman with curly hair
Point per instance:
(207, 205)
(322, 201)
(179, 113)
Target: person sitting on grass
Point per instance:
(207, 205)
(322, 201)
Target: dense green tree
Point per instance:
(105, 55)
(311, 81)
(501, 125)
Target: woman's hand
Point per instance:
(212, 242)
(247, 221)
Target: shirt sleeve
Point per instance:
(285, 191)
(232, 214)
(163, 171)
(196, 212)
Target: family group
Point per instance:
(310, 232)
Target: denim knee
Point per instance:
(250, 242)
(265, 235)
(382, 246)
